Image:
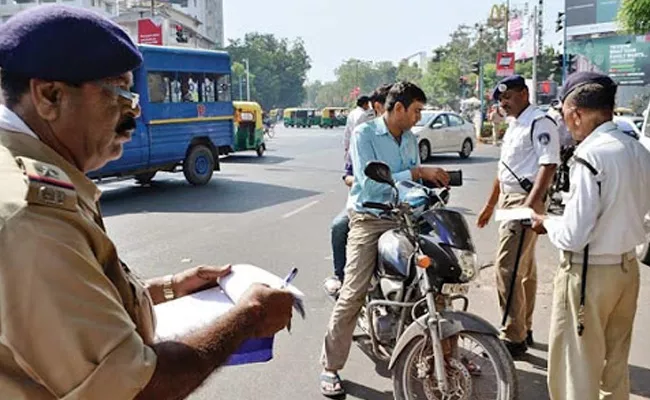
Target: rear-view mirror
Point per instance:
(379, 172)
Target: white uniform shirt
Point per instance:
(12, 122)
(357, 117)
(611, 221)
(523, 154)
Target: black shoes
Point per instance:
(516, 350)
(529, 339)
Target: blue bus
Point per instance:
(187, 114)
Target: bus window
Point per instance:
(208, 88)
(223, 83)
(158, 87)
(189, 85)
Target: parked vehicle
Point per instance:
(290, 117)
(332, 117)
(186, 117)
(424, 265)
(444, 132)
(249, 130)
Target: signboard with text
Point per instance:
(150, 32)
(584, 17)
(505, 64)
(625, 58)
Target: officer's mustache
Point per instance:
(125, 126)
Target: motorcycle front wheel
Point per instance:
(482, 371)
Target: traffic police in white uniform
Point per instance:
(529, 156)
(597, 283)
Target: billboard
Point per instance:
(584, 17)
(150, 31)
(521, 35)
(625, 58)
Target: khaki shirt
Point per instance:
(74, 321)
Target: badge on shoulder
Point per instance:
(544, 138)
(48, 185)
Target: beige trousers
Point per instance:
(361, 253)
(520, 315)
(594, 365)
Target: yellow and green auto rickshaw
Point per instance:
(290, 117)
(333, 116)
(302, 118)
(314, 117)
(249, 131)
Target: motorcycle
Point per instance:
(424, 266)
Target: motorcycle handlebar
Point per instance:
(455, 180)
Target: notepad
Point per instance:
(179, 316)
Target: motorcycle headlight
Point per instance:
(468, 263)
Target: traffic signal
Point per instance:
(571, 64)
(557, 63)
(559, 22)
(180, 35)
(476, 68)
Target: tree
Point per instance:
(634, 16)
(278, 68)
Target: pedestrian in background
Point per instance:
(597, 282)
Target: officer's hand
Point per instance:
(272, 308)
(485, 216)
(435, 175)
(538, 224)
(198, 278)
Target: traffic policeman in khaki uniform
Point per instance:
(597, 282)
(74, 321)
(529, 157)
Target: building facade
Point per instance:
(107, 8)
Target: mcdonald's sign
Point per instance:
(498, 14)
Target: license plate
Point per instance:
(455, 288)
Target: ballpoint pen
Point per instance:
(287, 281)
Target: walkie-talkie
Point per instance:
(525, 183)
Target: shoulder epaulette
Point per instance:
(48, 185)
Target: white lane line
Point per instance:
(299, 209)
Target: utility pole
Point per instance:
(480, 77)
(248, 80)
(507, 23)
(564, 47)
(241, 89)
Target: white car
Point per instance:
(630, 125)
(443, 132)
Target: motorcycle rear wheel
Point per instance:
(493, 350)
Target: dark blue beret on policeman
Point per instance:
(509, 82)
(67, 44)
(579, 79)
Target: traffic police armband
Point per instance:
(48, 185)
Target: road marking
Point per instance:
(299, 209)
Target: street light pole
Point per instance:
(564, 46)
(248, 81)
(535, 51)
(507, 23)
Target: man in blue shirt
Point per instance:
(388, 139)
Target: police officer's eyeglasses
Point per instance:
(134, 98)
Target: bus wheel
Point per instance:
(145, 178)
(198, 165)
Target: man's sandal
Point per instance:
(331, 386)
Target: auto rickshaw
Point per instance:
(302, 118)
(249, 132)
(290, 117)
(332, 117)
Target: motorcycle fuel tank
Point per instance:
(394, 252)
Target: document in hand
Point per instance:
(513, 214)
(179, 316)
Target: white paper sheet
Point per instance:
(243, 276)
(513, 214)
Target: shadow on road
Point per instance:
(532, 386)
(640, 381)
(254, 159)
(363, 392)
(365, 345)
(453, 160)
(218, 196)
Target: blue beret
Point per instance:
(67, 44)
(578, 79)
(509, 82)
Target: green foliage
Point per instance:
(634, 16)
(278, 69)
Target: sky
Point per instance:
(373, 30)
